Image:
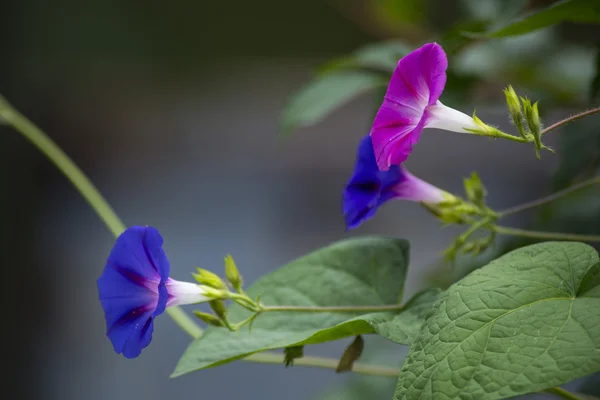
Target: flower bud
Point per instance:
(233, 274)
(210, 279)
(514, 108)
(532, 116)
(218, 306)
(475, 190)
(209, 319)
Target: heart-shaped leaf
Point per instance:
(525, 322)
(358, 272)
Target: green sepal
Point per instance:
(291, 353)
(475, 190)
(210, 279)
(209, 319)
(351, 354)
(218, 306)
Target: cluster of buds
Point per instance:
(212, 280)
(522, 110)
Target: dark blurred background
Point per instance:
(173, 110)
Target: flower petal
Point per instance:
(362, 193)
(417, 83)
(441, 116)
(415, 189)
(139, 251)
(393, 143)
(128, 306)
(419, 78)
(132, 289)
(140, 337)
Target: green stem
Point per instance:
(570, 119)
(497, 134)
(547, 199)
(387, 307)
(91, 194)
(321, 362)
(85, 187)
(545, 235)
(560, 392)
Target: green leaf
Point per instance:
(454, 40)
(582, 11)
(364, 271)
(325, 94)
(381, 56)
(523, 323)
(595, 85)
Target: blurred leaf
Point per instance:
(595, 86)
(475, 190)
(323, 95)
(351, 354)
(402, 11)
(578, 151)
(454, 40)
(576, 213)
(459, 88)
(582, 11)
(362, 271)
(525, 322)
(381, 56)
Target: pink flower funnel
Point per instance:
(411, 104)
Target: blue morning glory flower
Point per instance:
(135, 288)
(369, 188)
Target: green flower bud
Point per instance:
(233, 274)
(218, 306)
(207, 278)
(475, 190)
(532, 116)
(514, 108)
(209, 319)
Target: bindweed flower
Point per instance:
(369, 188)
(135, 288)
(411, 104)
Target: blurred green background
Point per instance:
(174, 110)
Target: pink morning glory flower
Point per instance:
(369, 188)
(135, 288)
(411, 103)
